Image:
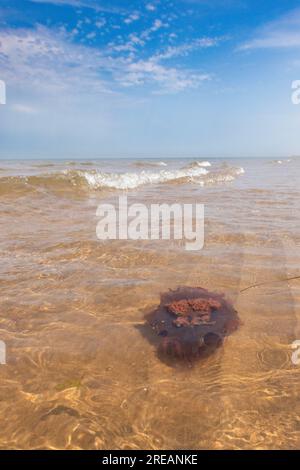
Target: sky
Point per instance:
(157, 78)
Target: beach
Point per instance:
(79, 374)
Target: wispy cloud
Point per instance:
(49, 60)
(169, 79)
(100, 23)
(157, 25)
(281, 33)
(24, 108)
(185, 49)
(132, 17)
(45, 60)
(92, 4)
(150, 7)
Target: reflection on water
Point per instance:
(80, 375)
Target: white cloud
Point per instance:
(91, 35)
(130, 45)
(273, 40)
(47, 61)
(100, 23)
(92, 4)
(136, 40)
(24, 109)
(170, 79)
(150, 7)
(281, 33)
(126, 47)
(131, 18)
(185, 49)
(157, 25)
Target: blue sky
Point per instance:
(203, 78)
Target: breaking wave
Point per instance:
(280, 162)
(145, 164)
(197, 164)
(133, 180)
(85, 180)
(222, 176)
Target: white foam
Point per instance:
(197, 164)
(222, 176)
(203, 164)
(146, 163)
(133, 180)
(280, 162)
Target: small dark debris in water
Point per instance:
(192, 322)
(285, 279)
(61, 409)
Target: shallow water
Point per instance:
(80, 374)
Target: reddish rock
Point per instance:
(192, 321)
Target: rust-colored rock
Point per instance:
(192, 322)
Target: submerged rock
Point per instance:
(192, 322)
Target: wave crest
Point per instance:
(144, 164)
(197, 164)
(86, 180)
(133, 180)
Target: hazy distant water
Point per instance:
(79, 374)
